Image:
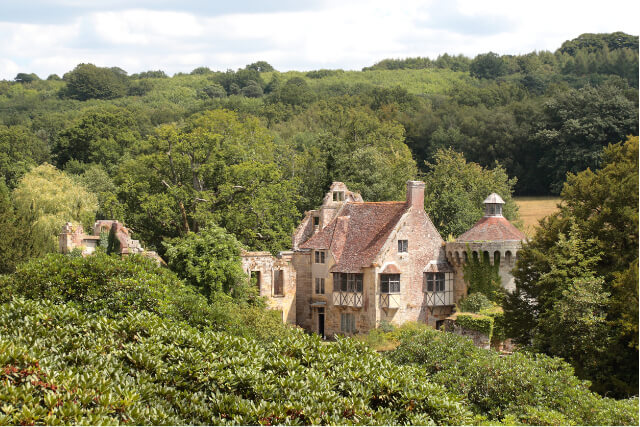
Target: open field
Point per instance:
(533, 209)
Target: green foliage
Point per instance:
(20, 150)
(87, 81)
(456, 189)
(499, 326)
(520, 388)
(45, 199)
(578, 124)
(594, 42)
(487, 66)
(476, 322)
(100, 136)
(9, 231)
(295, 91)
(113, 243)
(475, 302)
(164, 372)
(111, 286)
(26, 77)
(483, 277)
(210, 261)
(576, 290)
(260, 66)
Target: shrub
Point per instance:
(520, 388)
(78, 368)
(111, 286)
(475, 302)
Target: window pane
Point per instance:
(358, 282)
(384, 284)
(351, 285)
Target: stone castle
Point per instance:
(355, 264)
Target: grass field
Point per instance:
(532, 209)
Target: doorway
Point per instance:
(321, 322)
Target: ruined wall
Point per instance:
(268, 266)
(72, 237)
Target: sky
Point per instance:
(46, 37)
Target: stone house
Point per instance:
(355, 264)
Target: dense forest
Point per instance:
(203, 164)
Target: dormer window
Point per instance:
(320, 257)
(316, 221)
(403, 246)
(338, 196)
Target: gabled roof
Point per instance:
(356, 237)
(491, 228)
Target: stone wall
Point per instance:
(503, 252)
(479, 339)
(269, 268)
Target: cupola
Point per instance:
(493, 205)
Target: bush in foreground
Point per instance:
(520, 388)
(76, 368)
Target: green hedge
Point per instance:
(497, 314)
(475, 322)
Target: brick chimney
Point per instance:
(415, 194)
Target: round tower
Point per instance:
(493, 237)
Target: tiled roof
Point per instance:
(357, 235)
(491, 228)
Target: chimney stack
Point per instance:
(415, 194)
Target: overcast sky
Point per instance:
(54, 36)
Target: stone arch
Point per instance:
(496, 257)
(465, 256)
(486, 257)
(475, 255)
(457, 257)
(507, 257)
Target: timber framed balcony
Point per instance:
(388, 300)
(347, 299)
(437, 299)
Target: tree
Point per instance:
(260, 66)
(9, 255)
(577, 125)
(45, 199)
(294, 91)
(456, 189)
(215, 167)
(99, 136)
(252, 90)
(488, 66)
(578, 276)
(87, 81)
(26, 77)
(210, 261)
(20, 150)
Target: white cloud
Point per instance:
(340, 34)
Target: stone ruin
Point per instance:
(73, 237)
